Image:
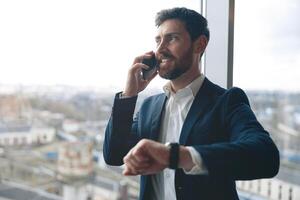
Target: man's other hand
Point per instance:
(146, 157)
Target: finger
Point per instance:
(132, 163)
(139, 155)
(136, 162)
(150, 52)
(130, 160)
(142, 158)
(142, 65)
(129, 171)
(137, 67)
(140, 58)
(152, 76)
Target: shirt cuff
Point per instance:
(198, 167)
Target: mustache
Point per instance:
(164, 55)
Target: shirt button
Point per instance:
(167, 175)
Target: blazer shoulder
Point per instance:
(217, 93)
(236, 95)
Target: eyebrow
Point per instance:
(168, 34)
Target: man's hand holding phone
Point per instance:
(152, 67)
(140, 74)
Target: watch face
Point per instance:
(174, 155)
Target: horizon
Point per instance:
(62, 88)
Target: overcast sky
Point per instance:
(267, 44)
(93, 43)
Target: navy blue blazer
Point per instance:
(220, 126)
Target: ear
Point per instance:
(200, 44)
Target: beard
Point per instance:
(175, 73)
(181, 65)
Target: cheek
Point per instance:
(181, 56)
(180, 50)
(177, 52)
(186, 58)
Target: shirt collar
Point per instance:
(194, 86)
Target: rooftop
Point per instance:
(13, 191)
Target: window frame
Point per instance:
(217, 62)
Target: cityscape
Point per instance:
(51, 136)
(51, 145)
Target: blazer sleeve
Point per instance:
(121, 131)
(249, 153)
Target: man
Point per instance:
(214, 135)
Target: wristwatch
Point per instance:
(174, 155)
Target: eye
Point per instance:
(173, 38)
(157, 41)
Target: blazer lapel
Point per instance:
(200, 103)
(156, 116)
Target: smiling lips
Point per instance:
(164, 59)
(163, 62)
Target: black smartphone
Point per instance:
(152, 63)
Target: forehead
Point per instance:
(171, 26)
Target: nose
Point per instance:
(161, 46)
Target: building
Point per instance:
(75, 159)
(23, 134)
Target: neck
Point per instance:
(186, 78)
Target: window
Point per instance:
(61, 63)
(266, 64)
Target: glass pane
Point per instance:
(61, 63)
(267, 65)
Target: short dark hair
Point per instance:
(194, 22)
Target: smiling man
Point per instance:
(194, 140)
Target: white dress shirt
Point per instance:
(176, 109)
